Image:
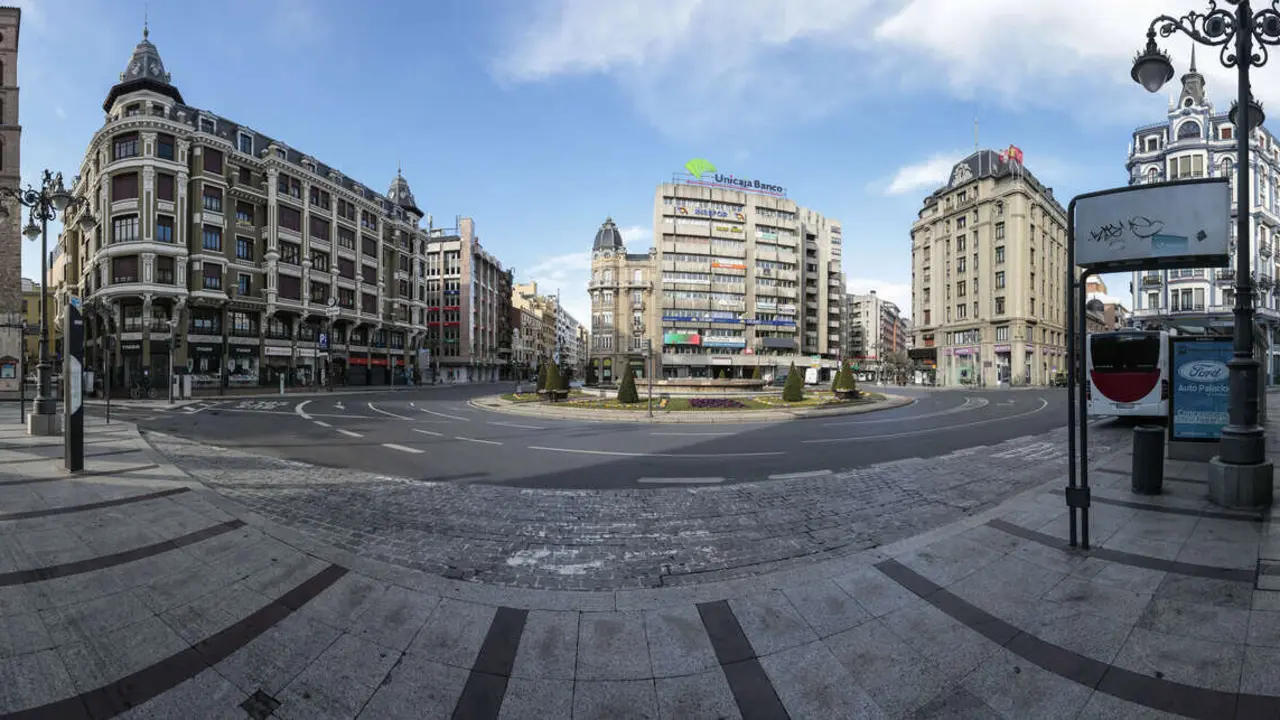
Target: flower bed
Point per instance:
(716, 404)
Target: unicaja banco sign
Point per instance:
(704, 173)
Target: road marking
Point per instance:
(384, 412)
(476, 440)
(517, 425)
(338, 404)
(432, 433)
(798, 475)
(413, 404)
(301, 413)
(402, 448)
(968, 404)
(321, 423)
(444, 415)
(681, 481)
(616, 453)
(1043, 404)
(348, 433)
(686, 434)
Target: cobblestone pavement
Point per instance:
(610, 540)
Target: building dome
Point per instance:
(609, 237)
(145, 71)
(400, 194)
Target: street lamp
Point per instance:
(1240, 475)
(45, 203)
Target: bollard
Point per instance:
(1148, 459)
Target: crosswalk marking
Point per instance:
(1033, 451)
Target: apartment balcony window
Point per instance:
(213, 199)
(277, 329)
(289, 218)
(346, 298)
(164, 147)
(243, 324)
(124, 146)
(319, 261)
(211, 238)
(164, 229)
(132, 319)
(244, 213)
(212, 161)
(346, 238)
(244, 248)
(289, 186)
(290, 253)
(164, 187)
(124, 229)
(124, 186)
(124, 269)
(1151, 279)
(1226, 274)
(212, 277)
(164, 270)
(244, 284)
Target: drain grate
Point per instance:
(260, 705)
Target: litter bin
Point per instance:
(1148, 459)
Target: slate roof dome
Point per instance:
(400, 194)
(609, 237)
(145, 71)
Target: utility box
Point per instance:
(1148, 459)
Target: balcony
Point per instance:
(1225, 275)
(1152, 280)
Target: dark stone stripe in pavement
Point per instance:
(487, 684)
(73, 476)
(752, 689)
(20, 577)
(1127, 558)
(1163, 695)
(58, 456)
(27, 514)
(149, 682)
(1171, 510)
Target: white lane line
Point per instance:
(687, 434)
(517, 425)
(476, 440)
(413, 404)
(384, 412)
(298, 409)
(1043, 404)
(798, 475)
(968, 404)
(428, 432)
(680, 480)
(338, 404)
(349, 433)
(444, 415)
(402, 448)
(616, 453)
(321, 423)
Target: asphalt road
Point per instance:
(434, 434)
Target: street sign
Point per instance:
(1154, 226)
(75, 302)
(332, 311)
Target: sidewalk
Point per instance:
(134, 590)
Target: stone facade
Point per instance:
(10, 224)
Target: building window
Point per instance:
(246, 143)
(124, 269)
(164, 270)
(962, 311)
(164, 187)
(1002, 332)
(319, 261)
(1000, 233)
(124, 229)
(242, 324)
(211, 238)
(289, 186)
(244, 212)
(212, 277)
(124, 186)
(319, 228)
(369, 246)
(369, 273)
(213, 199)
(1000, 311)
(290, 287)
(346, 268)
(369, 303)
(277, 328)
(290, 218)
(164, 228)
(1153, 301)
(124, 146)
(289, 253)
(206, 125)
(960, 289)
(244, 248)
(212, 161)
(346, 238)
(346, 297)
(319, 292)
(1000, 277)
(319, 198)
(164, 147)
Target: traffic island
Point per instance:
(767, 408)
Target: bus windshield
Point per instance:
(1125, 352)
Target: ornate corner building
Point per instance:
(11, 305)
(988, 257)
(252, 262)
(1196, 141)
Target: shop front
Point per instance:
(1004, 364)
(242, 365)
(365, 370)
(205, 365)
(964, 365)
(278, 359)
(131, 370)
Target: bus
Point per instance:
(1128, 374)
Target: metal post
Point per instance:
(44, 405)
(106, 372)
(172, 348)
(648, 351)
(73, 392)
(1083, 415)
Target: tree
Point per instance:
(554, 383)
(844, 382)
(542, 377)
(591, 374)
(793, 390)
(627, 388)
(755, 374)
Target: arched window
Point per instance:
(1188, 130)
(1153, 175)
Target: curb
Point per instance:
(495, 403)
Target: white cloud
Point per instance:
(897, 293)
(637, 237)
(568, 274)
(923, 176)
(1071, 55)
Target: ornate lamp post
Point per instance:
(1240, 475)
(45, 203)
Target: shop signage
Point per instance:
(1004, 348)
(205, 349)
(244, 350)
(766, 235)
(963, 351)
(130, 347)
(728, 266)
(702, 172)
(277, 351)
(1198, 403)
(729, 228)
(724, 342)
(681, 338)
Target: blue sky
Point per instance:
(539, 118)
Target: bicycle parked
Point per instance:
(142, 388)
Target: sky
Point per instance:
(540, 118)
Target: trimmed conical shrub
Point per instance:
(627, 388)
(553, 380)
(755, 374)
(542, 377)
(844, 382)
(793, 390)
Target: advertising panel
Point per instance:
(1198, 401)
(681, 338)
(1160, 225)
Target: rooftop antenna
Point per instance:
(145, 22)
(975, 134)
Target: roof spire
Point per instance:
(146, 30)
(1193, 57)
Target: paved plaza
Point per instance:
(179, 579)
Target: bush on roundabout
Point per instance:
(845, 386)
(793, 390)
(627, 389)
(556, 388)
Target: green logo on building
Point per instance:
(698, 166)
